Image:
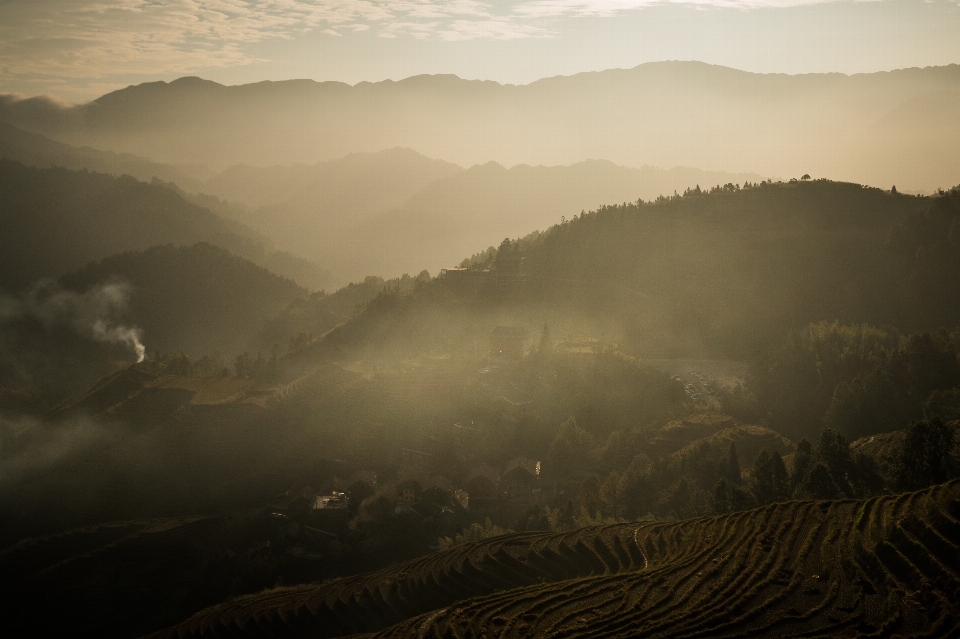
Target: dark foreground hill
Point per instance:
(884, 567)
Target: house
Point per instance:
(295, 504)
(460, 274)
(334, 501)
(409, 491)
(508, 342)
(331, 510)
(483, 487)
(333, 484)
(443, 498)
(520, 477)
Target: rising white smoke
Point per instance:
(96, 313)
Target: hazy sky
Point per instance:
(80, 49)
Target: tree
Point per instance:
(820, 484)
(680, 500)
(868, 479)
(802, 462)
(924, 457)
(721, 497)
(590, 495)
(740, 499)
(567, 517)
(834, 451)
(806, 176)
(634, 492)
(769, 480)
(944, 404)
(733, 466)
(537, 518)
(569, 453)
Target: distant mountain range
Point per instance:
(881, 128)
(397, 211)
(381, 213)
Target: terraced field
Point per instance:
(885, 567)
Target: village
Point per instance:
(417, 493)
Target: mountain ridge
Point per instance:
(660, 114)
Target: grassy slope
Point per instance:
(841, 568)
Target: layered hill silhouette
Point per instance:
(879, 128)
(55, 220)
(32, 149)
(478, 207)
(396, 211)
(383, 213)
(842, 568)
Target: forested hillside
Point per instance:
(720, 273)
(455, 216)
(198, 299)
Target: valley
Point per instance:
(457, 358)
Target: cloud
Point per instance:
(497, 29)
(609, 8)
(68, 40)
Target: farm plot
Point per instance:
(888, 566)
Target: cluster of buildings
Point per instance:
(506, 272)
(323, 513)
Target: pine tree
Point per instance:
(802, 462)
(769, 481)
(924, 457)
(820, 484)
(733, 466)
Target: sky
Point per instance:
(77, 50)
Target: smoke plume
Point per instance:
(97, 313)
